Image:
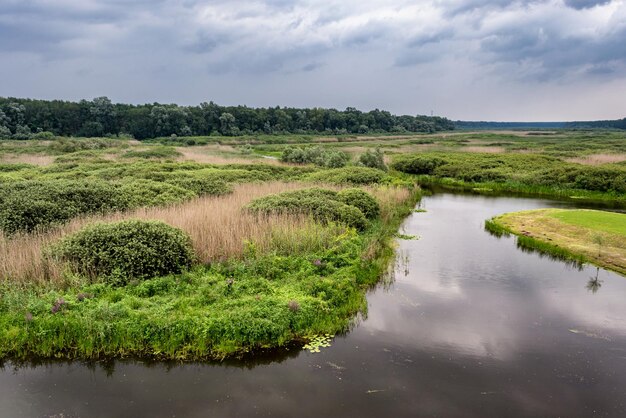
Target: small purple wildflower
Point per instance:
(28, 317)
(58, 305)
(317, 263)
(293, 306)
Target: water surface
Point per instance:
(471, 326)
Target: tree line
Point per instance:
(28, 118)
(598, 124)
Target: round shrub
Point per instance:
(324, 205)
(120, 251)
(349, 175)
(360, 199)
(335, 211)
(418, 164)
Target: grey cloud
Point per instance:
(585, 4)
(431, 38)
(142, 49)
(554, 55)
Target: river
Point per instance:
(468, 326)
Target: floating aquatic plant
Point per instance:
(318, 341)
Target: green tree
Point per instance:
(227, 124)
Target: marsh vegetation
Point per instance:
(270, 242)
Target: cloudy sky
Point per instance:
(464, 59)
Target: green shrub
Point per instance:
(26, 214)
(203, 185)
(324, 205)
(44, 136)
(349, 175)
(29, 205)
(120, 251)
(152, 193)
(417, 164)
(362, 200)
(320, 156)
(373, 159)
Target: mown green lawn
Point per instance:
(599, 221)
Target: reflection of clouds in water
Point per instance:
(603, 311)
(472, 294)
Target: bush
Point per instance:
(44, 136)
(349, 175)
(5, 133)
(324, 205)
(203, 185)
(152, 193)
(315, 155)
(417, 164)
(26, 214)
(373, 159)
(120, 251)
(29, 205)
(362, 200)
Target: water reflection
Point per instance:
(594, 284)
(465, 325)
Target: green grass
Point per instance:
(575, 235)
(595, 220)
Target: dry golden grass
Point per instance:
(217, 226)
(35, 159)
(598, 159)
(484, 149)
(389, 198)
(210, 154)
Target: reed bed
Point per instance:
(598, 159)
(34, 159)
(210, 155)
(219, 230)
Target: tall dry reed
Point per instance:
(217, 226)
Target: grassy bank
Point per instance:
(577, 235)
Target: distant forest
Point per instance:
(597, 124)
(28, 118)
(604, 124)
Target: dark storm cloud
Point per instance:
(137, 50)
(585, 4)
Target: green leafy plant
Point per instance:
(121, 251)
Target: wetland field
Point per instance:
(454, 273)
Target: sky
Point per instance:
(464, 59)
